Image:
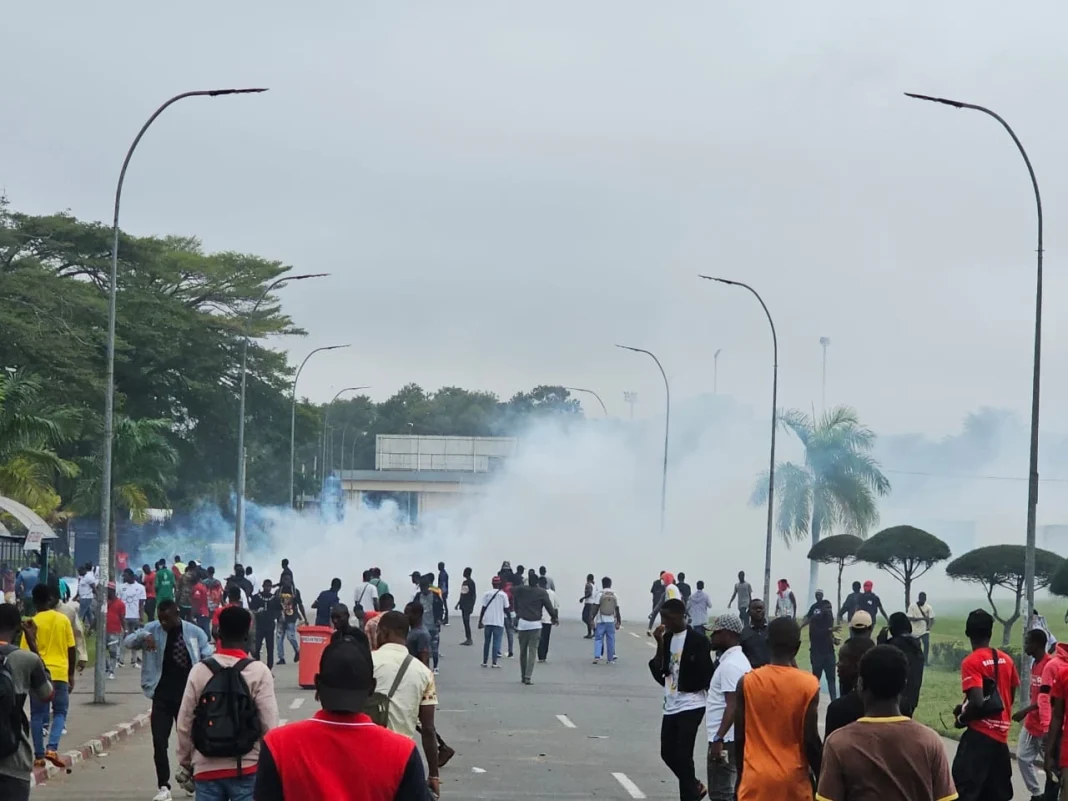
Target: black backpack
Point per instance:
(12, 719)
(226, 722)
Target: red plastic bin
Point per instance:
(313, 641)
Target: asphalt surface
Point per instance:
(581, 731)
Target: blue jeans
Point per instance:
(85, 610)
(287, 630)
(226, 789)
(493, 639)
(605, 632)
(39, 714)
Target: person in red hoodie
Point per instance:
(201, 615)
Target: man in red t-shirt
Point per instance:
(1056, 676)
(116, 620)
(1030, 751)
(148, 578)
(982, 768)
(201, 615)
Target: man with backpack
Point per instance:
(172, 646)
(228, 706)
(607, 622)
(22, 673)
(410, 693)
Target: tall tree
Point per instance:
(906, 553)
(837, 487)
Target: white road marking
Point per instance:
(632, 789)
(566, 721)
(635, 634)
(477, 770)
(653, 645)
(297, 703)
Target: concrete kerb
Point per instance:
(87, 750)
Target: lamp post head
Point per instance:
(943, 100)
(719, 280)
(219, 92)
(628, 347)
(825, 341)
(716, 354)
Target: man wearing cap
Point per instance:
(722, 704)
(870, 602)
(861, 625)
(340, 752)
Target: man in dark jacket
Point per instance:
(850, 604)
(683, 665)
(899, 635)
(755, 635)
(529, 601)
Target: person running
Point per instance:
(869, 602)
(171, 647)
(340, 753)
(884, 756)
(268, 610)
(850, 604)
(443, 588)
(292, 613)
(776, 730)
(698, 606)
(365, 594)
(466, 605)
(495, 610)
(982, 767)
(1035, 717)
(114, 630)
(370, 626)
(547, 620)
(722, 706)
(922, 618)
(899, 635)
(589, 609)
(59, 652)
(743, 591)
(226, 778)
(608, 621)
(29, 678)
(683, 666)
(785, 601)
(684, 588)
(848, 707)
(429, 597)
(133, 597)
(327, 600)
(413, 696)
(820, 620)
(550, 584)
(530, 601)
(755, 635)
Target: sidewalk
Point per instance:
(93, 729)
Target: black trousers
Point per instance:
(12, 789)
(445, 602)
(466, 614)
(265, 634)
(150, 609)
(678, 733)
(164, 716)
(543, 643)
(982, 768)
(823, 664)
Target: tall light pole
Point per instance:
(239, 526)
(591, 392)
(630, 398)
(667, 427)
(774, 426)
(715, 371)
(824, 342)
(1032, 475)
(293, 419)
(326, 424)
(104, 553)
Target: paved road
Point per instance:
(581, 731)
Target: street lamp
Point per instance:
(824, 342)
(104, 553)
(1032, 475)
(239, 527)
(326, 424)
(293, 418)
(591, 392)
(667, 426)
(774, 426)
(715, 371)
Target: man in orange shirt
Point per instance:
(1035, 716)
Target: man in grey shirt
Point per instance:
(30, 676)
(697, 607)
(743, 591)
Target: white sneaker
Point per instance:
(164, 794)
(111, 676)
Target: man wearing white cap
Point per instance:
(722, 704)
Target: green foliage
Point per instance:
(839, 550)
(905, 552)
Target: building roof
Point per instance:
(418, 476)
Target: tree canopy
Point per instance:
(905, 552)
(840, 550)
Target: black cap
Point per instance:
(416, 575)
(346, 676)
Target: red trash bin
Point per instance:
(313, 640)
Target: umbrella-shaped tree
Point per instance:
(836, 488)
(906, 553)
(1003, 566)
(840, 550)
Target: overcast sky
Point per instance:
(501, 192)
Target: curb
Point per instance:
(90, 749)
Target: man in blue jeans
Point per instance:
(58, 651)
(495, 611)
(607, 621)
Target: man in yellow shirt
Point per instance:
(57, 649)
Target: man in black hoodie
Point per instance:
(899, 635)
(683, 665)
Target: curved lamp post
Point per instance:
(774, 425)
(326, 423)
(293, 418)
(667, 427)
(591, 392)
(1032, 474)
(239, 527)
(104, 554)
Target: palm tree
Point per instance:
(837, 486)
(142, 467)
(29, 433)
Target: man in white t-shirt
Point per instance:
(921, 616)
(683, 665)
(722, 706)
(494, 609)
(366, 594)
(607, 621)
(86, 588)
(133, 595)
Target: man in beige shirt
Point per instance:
(921, 616)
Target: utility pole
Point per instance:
(630, 398)
(715, 371)
(824, 342)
